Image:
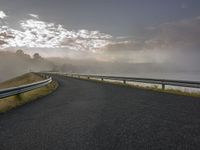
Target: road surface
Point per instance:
(97, 116)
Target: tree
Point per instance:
(37, 56)
(20, 52)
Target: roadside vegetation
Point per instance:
(21, 99)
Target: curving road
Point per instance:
(87, 115)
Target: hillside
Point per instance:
(18, 100)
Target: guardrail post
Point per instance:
(163, 86)
(124, 81)
(88, 77)
(101, 79)
(19, 96)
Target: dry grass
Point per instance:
(21, 80)
(18, 100)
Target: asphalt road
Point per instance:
(87, 115)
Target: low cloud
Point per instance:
(176, 35)
(124, 46)
(180, 35)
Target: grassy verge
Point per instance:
(153, 88)
(18, 100)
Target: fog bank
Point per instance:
(14, 64)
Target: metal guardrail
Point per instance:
(23, 88)
(162, 82)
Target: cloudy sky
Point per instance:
(131, 31)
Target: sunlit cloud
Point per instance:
(34, 16)
(35, 33)
(3, 15)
